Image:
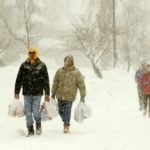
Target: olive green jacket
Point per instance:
(66, 82)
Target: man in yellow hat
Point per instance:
(34, 79)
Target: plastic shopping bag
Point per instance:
(82, 111)
(44, 116)
(78, 114)
(16, 109)
(86, 111)
(49, 110)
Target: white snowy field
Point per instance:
(116, 123)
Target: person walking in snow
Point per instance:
(33, 78)
(65, 84)
(138, 76)
(145, 84)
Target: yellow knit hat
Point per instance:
(34, 49)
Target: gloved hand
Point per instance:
(16, 96)
(47, 98)
(53, 96)
(82, 99)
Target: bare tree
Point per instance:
(5, 39)
(92, 34)
(115, 55)
(88, 39)
(29, 8)
(6, 24)
(4, 43)
(107, 22)
(133, 35)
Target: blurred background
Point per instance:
(102, 34)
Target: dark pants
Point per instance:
(65, 110)
(140, 95)
(146, 102)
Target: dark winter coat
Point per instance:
(33, 78)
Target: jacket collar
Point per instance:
(70, 68)
(36, 61)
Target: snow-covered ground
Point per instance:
(116, 123)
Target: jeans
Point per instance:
(32, 109)
(65, 110)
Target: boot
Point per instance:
(30, 131)
(38, 128)
(66, 127)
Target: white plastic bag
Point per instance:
(86, 111)
(16, 109)
(49, 110)
(78, 114)
(82, 111)
(43, 113)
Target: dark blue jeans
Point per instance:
(65, 110)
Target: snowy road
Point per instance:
(116, 123)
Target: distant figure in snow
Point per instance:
(138, 75)
(33, 78)
(145, 84)
(65, 84)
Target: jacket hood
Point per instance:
(33, 49)
(71, 58)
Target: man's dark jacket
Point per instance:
(33, 78)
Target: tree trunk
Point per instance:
(115, 57)
(129, 64)
(28, 40)
(97, 70)
(2, 63)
